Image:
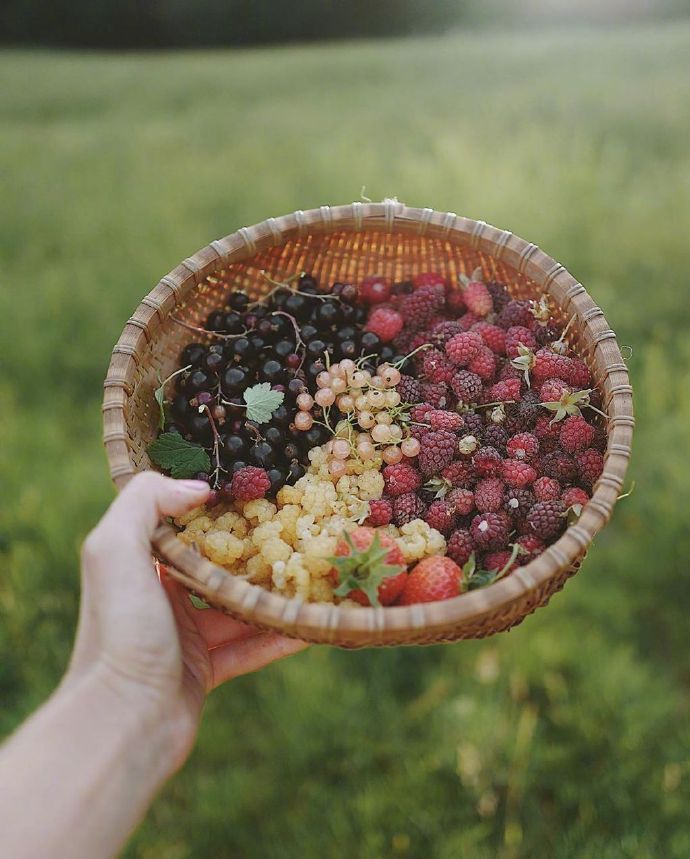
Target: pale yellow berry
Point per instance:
(341, 448)
(361, 402)
(366, 420)
(304, 421)
(359, 380)
(323, 380)
(346, 403)
(348, 366)
(366, 450)
(376, 399)
(338, 386)
(378, 383)
(392, 399)
(410, 447)
(396, 432)
(337, 468)
(305, 402)
(392, 455)
(325, 397)
(337, 371)
(381, 434)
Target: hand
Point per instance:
(142, 636)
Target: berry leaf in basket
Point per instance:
(261, 402)
(159, 393)
(177, 456)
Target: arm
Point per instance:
(79, 775)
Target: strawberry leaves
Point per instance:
(364, 569)
(473, 577)
(177, 456)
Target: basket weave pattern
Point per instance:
(346, 243)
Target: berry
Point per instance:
(495, 436)
(546, 489)
(518, 473)
(497, 561)
(455, 302)
(579, 376)
(574, 496)
(461, 499)
(590, 464)
(443, 331)
(385, 322)
(419, 412)
(401, 479)
(517, 502)
(369, 567)
(487, 462)
(545, 430)
(527, 410)
(484, 364)
(428, 278)
(477, 298)
(250, 483)
(436, 367)
(441, 420)
(435, 393)
(488, 495)
(468, 320)
(517, 336)
(524, 445)
(467, 386)
(489, 531)
(459, 474)
(420, 308)
(549, 365)
(552, 390)
(441, 515)
(438, 450)
(546, 519)
(493, 336)
(460, 546)
(407, 507)
(474, 424)
(499, 294)
(515, 313)
(504, 391)
(576, 434)
(531, 545)
(380, 513)
(436, 578)
(409, 389)
(462, 348)
(375, 289)
(559, 465)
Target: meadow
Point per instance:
(567, 737)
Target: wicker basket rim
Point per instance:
(527, 259)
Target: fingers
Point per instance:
(218, 629)
(250, 654)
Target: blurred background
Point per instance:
(133, 133)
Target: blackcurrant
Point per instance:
(198, 380)
(326, 314)
(238, 465)
(262, 455)
(272, 371)
(275, 438)
(291, 451)
(370, 343)
(283, 348)
(348, 349)
(298, 306)
(234, 380)
(233, 323)
(346, 332)
(316, 348)
(281, 417)
(277, 477)
(235, 447)
(308, 284)
(242, 349)
(348, 294)
(238, 301)
(200, 428)
(193, 354)
(180, 408)
(309, 332)
(215, 321)
(296, 387)
(214, 362)
(295, 471)
(387, 353)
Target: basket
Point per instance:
(346, 243)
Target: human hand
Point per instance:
(143, 637)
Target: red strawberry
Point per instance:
(437, 578)
(369, 567)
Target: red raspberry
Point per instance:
(580, 376)
(438, 450)
(546, 519)
(574, 496)
(489, 531)
(552, 390)
(448, 421)
(428, 278)
(421, 338)
(495, 436)
(500, 295)
(455, 302)
(546, 489)
(375, 289)
(462, 348)
(560, 466)
(420, 308)
(508, 372)
(518, 473)
(419, 412)
(544, 429)
(478, 298)
(385, 322)
(488, 495)
(527, 410)
(517, 336)
(487, 462)
(467, 386)
(484, 365)
(468, 321)
(493, 336)
(380, 513)
(460, 546)
(249, 483)
(524, 445)
(459, 474)
(515, 313)
(409, 389)
(441, 515)
(518, 502)
(498, 560)
(590, 464)
(549, 365)
(407, 507)
(502, 392)
(576, 434)
(436, 367)
(432, 579)
(533, 547)
(461, 499)
(401, 478)
(442, 333)
(435, 393)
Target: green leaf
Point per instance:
(481, 578)
(364, 569)
(197, 602)
(177, 456)
(261, 402)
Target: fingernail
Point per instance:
(197, 486)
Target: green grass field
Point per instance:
(568, 737)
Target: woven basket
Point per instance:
(346, 243)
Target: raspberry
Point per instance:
(576, 434)
(546, 489)
(501, 392)
(489, 531)
(546, 335)
(508, 372)
(549, 365)
(442, 333)
(419, 412)
(559, 465)
(409, 390)
(468, 321)
(459, 474)
(438, 450)
(518, 473)
(524, 445)
(532, 546)
(579, 376)
(515, 313)
(428, 278)
(544, 429)
(590, 464)
(249, 483)
(436, 367)
(462, 348)
(467, 386)
(488, 495)
(499, 294)
(441, 515)
(574, 496)
(552, 390)
(518, 502)
(546, 519)
(460, 546)
(448, 421)
(495, 436)
(406, 508)
(401, 478)
(498, 560)
(462, 500)
(435, 393)
(494, 337)
(474, 424)
(375, 289)
(517, 336)
(477, 298)
(527, 410)
(380, 513)
(484, 365)
(455, 302)
(487, 462)
(385, 322)
(420, 308)
(432, 579)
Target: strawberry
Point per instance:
(437, 578)
(369, 567)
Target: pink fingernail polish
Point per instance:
(198, 486)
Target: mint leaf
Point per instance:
(177, 456)
(261, 402)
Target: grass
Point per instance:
(569, 736)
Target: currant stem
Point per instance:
(198, 330)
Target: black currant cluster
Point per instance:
(281, 339)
